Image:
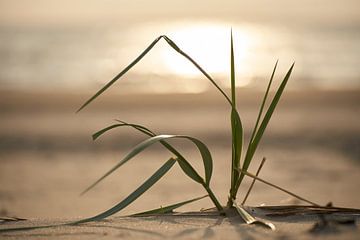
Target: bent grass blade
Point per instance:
(204, 151)
(183, 163)
(136, 60)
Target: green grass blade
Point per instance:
(232, 73)
(255, 127)
(134, 195)
(190, 171)
(168, 209)
(138, 127)
(204, 151)
(236, 128)
(183, 163)
(177, 49)
(263, 104)
(251, 151)
(185, 166)
(134, 62)
(237, 143)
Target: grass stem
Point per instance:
(253, 182)
(279, 188)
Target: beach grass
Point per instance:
(240, 162)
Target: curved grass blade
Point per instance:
(134, 62)
(134, 195)
(250, 219)
(141, 128)
(104, 130)
(183, 163)
(254, 144)
(168, 209)
(204, 151)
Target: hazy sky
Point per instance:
(90, 12)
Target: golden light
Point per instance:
(209, 45)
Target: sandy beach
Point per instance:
(47, 158)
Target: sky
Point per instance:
(89, 12)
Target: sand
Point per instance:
(47, 158)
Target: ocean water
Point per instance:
(84, 58)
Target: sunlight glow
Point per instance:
(209, 45)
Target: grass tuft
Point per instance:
(238, 171)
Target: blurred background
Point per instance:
(56, 54)
(79, 45)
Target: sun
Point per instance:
(209, 45)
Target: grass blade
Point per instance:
(236, 129)
(183, 163)
(134, 62)
(254, 144)
(204, 151)
(138, 127)
(134, 195)
(232, 73)
(177, 49)
(237, 143)
(263, 103)
(190, 171)
(168, 209)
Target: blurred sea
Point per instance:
(84, 58)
